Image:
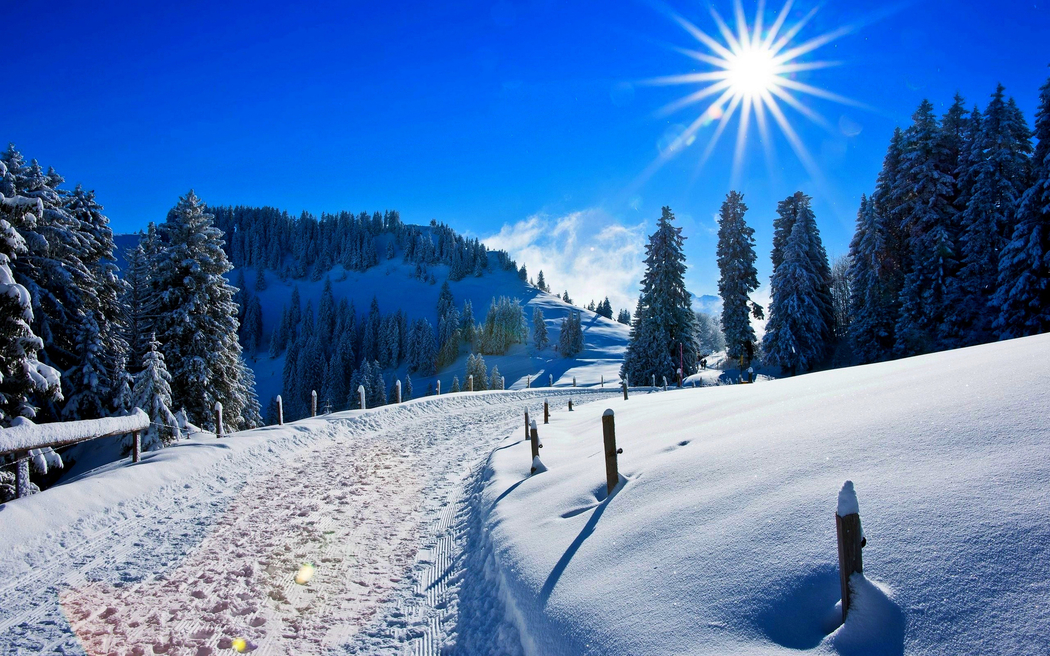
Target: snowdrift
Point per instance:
(720, 537)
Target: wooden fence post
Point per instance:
(280, 411)
(136, 447)
(534, 438)
(612, 471)
(439, 388)
(546, 412)
(654, 380)
(397, 392)
(574, 381)
(570, 404)
(550, 380)
(603, 381)
(22, 475)
(526, 423)
(313, 403)
(218, 420)
(361, 396)
(851, 540)
(665, 383)
(470, 383)
(625, 390)
(679, 377)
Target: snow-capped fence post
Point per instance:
(280, 411)
(570, 404)
(397, 392)
(22, 475)
(625, 390)
(219, 433)
(546, 412)
(534, 438)
(574, 381)
(603, 381)
(654, 380)
(612, 470)
(665, 383)
(470, 383)
(550, 380)
(439, 388)
(679, 377)
(361, 396)
(313, 403)
(136, 446)
(851, 540)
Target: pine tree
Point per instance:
(541, 283)
(664, 323)
(22, 376)
(495, 379)
(260, 279)
(455, 384)
(1000, 175)
(624, 316)
(407, 391)
(565, 297)
(796, 331)
(570, 337)
(738, 276)
(873, 299)
(467, 322)
(923, 191)
(449, 336)
(1022, 299)
(140, 303)
(539, 330)
(196, 317)
(796, 209)
(89, 385)
(152, 394)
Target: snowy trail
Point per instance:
(378, 502)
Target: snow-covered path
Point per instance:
(377, 502)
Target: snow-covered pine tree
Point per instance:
(796, 329)
(873, 297)
(541, 283)
(196, 320)
(495, 379)
(22, 376)
(88, 382)
(570, 337)
(1000, 161)
(624, 316)
(260, 279)
(455, 384)
(709, 337)
(923, 190)
(663, 338)
(565, 297)
(140, 304)
(152, 393)
(738, 277)
(797, 208)
(504, 326)
(449, 336)
(1022, 299)
(539, 330)
(467, 322)
(406, 393)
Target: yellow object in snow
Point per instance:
(306, 572)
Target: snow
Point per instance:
(721, 538)
(26, 435)
(848, 504)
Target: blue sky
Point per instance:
(522, 118)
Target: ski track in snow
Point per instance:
(380, 502)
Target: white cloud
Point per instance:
(589, 253)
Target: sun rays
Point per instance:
(751, 72)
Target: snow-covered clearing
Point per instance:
(200, 544)
(721, 536)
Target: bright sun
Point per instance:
(753, 70)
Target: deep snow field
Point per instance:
(429, 535)
(721, 539)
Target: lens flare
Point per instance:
(305, 573)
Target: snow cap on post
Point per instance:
(848, 504)
(608, 413)
(533, 424)
(218, 406)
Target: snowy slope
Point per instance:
(394, 287)
(722, 537)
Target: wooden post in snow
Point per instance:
(136, 446)
(570, 404)
(534, 438)
(361, 396)
(625, 390)
(526, 423)
(851, 541)
(612, 471)
(679, 377)
(665, 383)
(397, 392)
(574, 381)
(470, 383)
(280, 411)
(439, 388)
(22, 475)
(546, 412)
(313, 403)
(654, 380)
(550, 380)
(603, 381)
(218, 420)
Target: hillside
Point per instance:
(721, 537)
